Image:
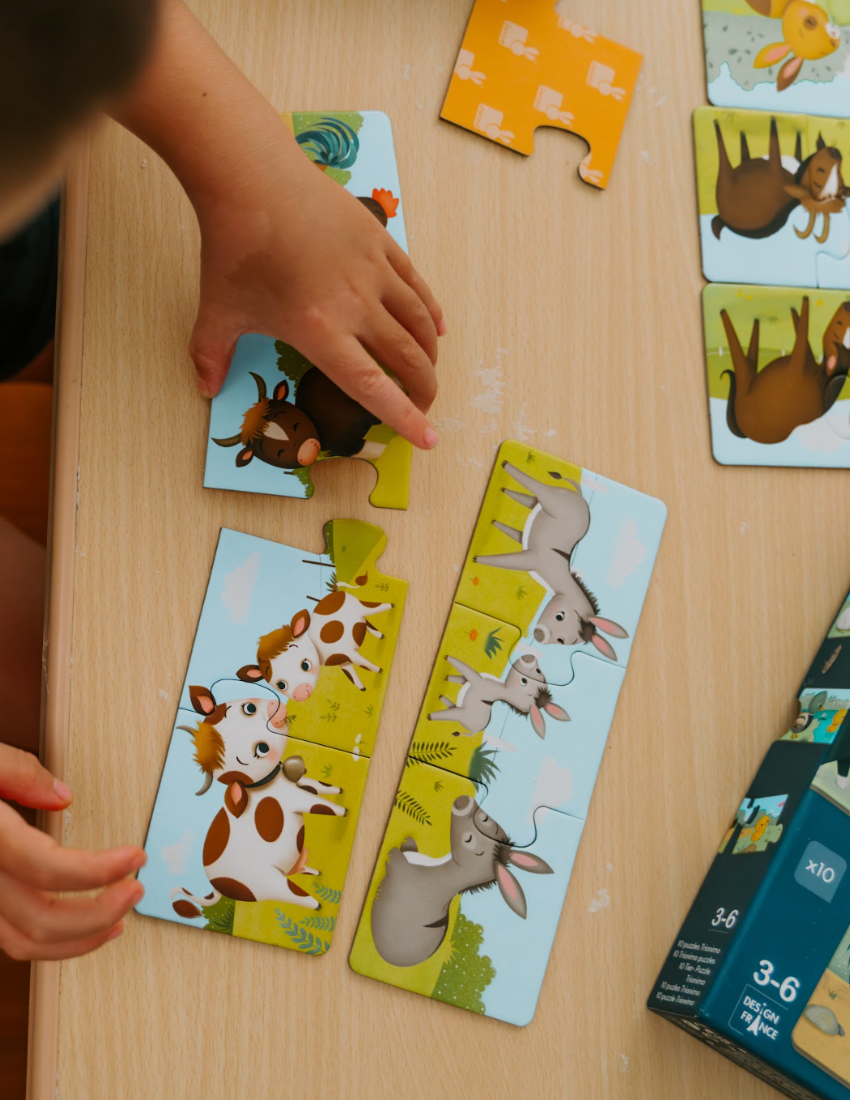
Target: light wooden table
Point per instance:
(596, 299)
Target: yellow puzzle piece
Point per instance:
(522, 65)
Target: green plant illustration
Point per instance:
(521, 592)
(327, 770)
(493, 643)
(431, 752)
(220, 916)
(332, 714)
(466, 973)
(291, 362)
(483, 768)
(302, 939)
(322, 924)
(530, 458)
(370, 710)
(408, 805)
(331, 583)
(328, 894)
(438, 786)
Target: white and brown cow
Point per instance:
(257, 839)
(289, 659)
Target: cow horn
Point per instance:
(206, 785)
(231, 440)
(261, 386)
(187, 729)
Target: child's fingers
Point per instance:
(404, 268)
(410, 312)
(211, 348)
(355, 372)
(24, 780)
(393, 346)
(46, 919)
(21, 947)
(36, 859)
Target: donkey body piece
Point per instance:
(524, 690)
(410, 913)
(558, 520)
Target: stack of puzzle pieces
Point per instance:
(775, 230)
(478, 851)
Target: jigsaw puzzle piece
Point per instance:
(555, 767)
(775, 212)
(443, 858)
(263, 854)
(277, 414)
(593, 542)
(751, 60)
(785, 400)
(323, 639)
(521, 66)
(472, 685)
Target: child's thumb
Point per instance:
(211, 348)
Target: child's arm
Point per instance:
(284, 250)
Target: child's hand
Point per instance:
(34, 923)
(285, 250)
(291, 254)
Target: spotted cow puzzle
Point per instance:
(254, 819)
(277, 415)
(473, 869)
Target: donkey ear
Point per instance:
(525, 861)
(538, 723)
(821, 144)
(556, 712)
(281, 391)
(202, 699)
(604, 646)
(511, 890)
(609, 627)
(245, 455)
(300, 622)
(251, 674)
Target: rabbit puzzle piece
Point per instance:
(784, 401)
(772, 199)
(778, 55)
(276, 722)
(521, 66)
(277, 414)
(504, 756)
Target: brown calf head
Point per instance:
(272, 645)
(836, 342)
(275, 431)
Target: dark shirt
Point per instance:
(28, 265)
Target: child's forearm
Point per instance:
(216, 132)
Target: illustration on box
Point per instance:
(785, 55)
(287, 736)
(772, 198)
(503, 759)
(267, 431)
(522, 65)
(756, 825)
(780, 402)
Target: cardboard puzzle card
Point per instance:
(779, 55)
(504, 756)
(277, 414)
(254, 819)
(772, 198)
(820, 1033)
(778, 362)
(521, 65)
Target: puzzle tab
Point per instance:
(254, 819)
(521, 66)
(503, 760)
(277, 414)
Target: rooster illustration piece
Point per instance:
(332, 143)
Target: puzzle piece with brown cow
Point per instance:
(254, 819)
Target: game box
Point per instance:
(761, 967)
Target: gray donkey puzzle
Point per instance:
(410, 913)
(558, 520)
(523, 689)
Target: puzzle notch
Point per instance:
(521, 66)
